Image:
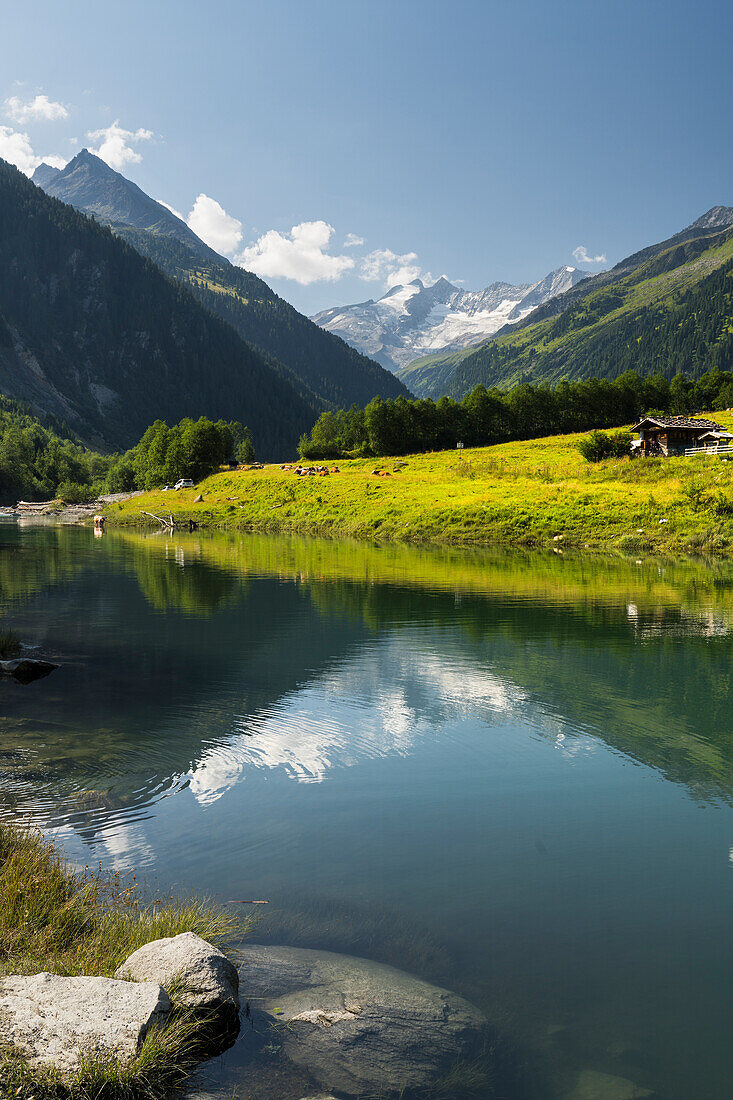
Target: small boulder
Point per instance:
(199, 499)
(56, 1021)
(203, 976)
(27, 669)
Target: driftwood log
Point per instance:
(170, 524)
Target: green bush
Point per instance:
(596, 446)
(73, 492)
(696, 496)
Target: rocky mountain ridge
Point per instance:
(89, 184)
(324, 369)
(414, 320)
(95, 335)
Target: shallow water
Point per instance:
(508, 774)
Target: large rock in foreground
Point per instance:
(55, 1021)
(357, 1026)
(199, 975)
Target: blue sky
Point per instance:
(480, 140)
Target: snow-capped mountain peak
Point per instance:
(413, 319)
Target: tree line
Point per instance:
(45, 461)
(487, 416)
(38, 462)
(191, 449)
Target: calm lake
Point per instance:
(505, 773)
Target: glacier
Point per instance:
(415, 319)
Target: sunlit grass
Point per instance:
(518, 494)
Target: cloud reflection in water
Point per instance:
(379, 704)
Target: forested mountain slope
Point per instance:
(326, 366)
(93, 333)
(666, 308)
(36, 459)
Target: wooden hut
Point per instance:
(673, 435)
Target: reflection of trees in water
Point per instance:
(141, 693)
(654, 682)
(637, 656)
(32, 561)
(176, 577)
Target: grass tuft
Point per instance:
(9, 644)
(53, 918)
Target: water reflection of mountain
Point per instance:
(655, 684)
(188, 662)
(142, 692)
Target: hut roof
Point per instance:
(693, 423)
(717, 435)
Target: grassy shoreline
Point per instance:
(56, 919)
(539, 493)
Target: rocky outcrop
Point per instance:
(356, 1026)
(196, 974)
(56, 1021)
(27, 669)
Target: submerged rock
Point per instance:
(592, 1085)
(203, 976)
(26, 669)
(358, 1026)
(56, 1021)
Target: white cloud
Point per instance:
(172, 209)
(116, 144)
(581, 255)
(40, 109)
(353, 241)
(210, 221)
(300, 255)
(16, 148)
(391, 268)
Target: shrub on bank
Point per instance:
(73, 492)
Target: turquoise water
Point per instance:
(510, 775)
